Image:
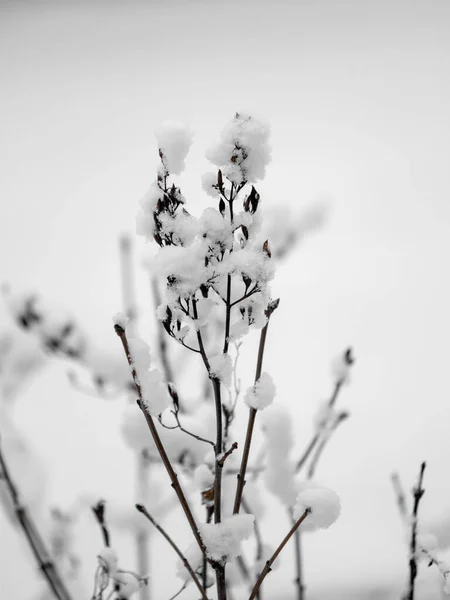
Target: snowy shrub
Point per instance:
(210, 278)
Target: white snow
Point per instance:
(243, 151)
(224, 539)
(140, 353)
(121, 320)
(221, 367)
(324, 506)
(279, 475)
(174, 140)
(127, 583)
(262, 394)
(154, 391)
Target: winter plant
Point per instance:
(210, 280)
(217, 269)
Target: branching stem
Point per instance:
(184, 560)
(159, 445)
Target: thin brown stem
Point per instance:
(159, 445)
(325, 438)
(317, 435)
(299, 585)
(37, 546)
(230, 450)
(418, 492)
(250, 424)
(129, 302)
(184, 560)
(272, 559)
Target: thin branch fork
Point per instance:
(38, 548)
(316, 437)
(272, 559)
(184, 560)
(159, 445)
(323, 442)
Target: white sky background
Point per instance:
(358, 96)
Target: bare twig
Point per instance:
(185, 562)
(341, 417)
(176, 410)
(418, 492)
(252, 414)
(142, 541)
(222, 460)
(315, 448)
(183, 587)
(37, 546)
(272, 559)
(158, 443)
(317, 435)
(299, 585)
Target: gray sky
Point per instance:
(357, 94)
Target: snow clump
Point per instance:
(323, 505)
(262, 394)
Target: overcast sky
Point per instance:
(358, 96)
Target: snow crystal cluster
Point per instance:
(223, 540)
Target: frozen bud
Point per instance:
(262, 394)
(174, 140)
(120, 320)
(323, 505)
(342, 366)
(173, 394)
